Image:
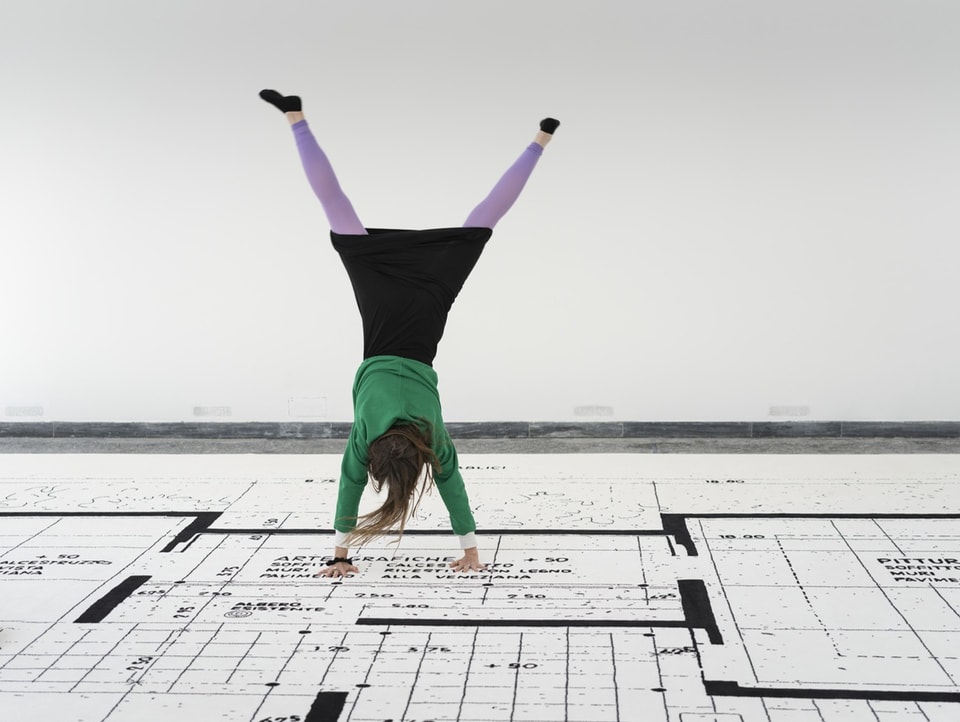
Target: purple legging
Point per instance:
(343, 219)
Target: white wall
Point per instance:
(749, 204)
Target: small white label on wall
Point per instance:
(24, 411)
(789, 410)
(307, 407)
(593, 411)
(212, 411)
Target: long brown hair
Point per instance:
(397, 459)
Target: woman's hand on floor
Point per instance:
(469, 563)
(340, 569)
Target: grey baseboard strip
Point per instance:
(495, 430)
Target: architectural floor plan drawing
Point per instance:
(668, 588)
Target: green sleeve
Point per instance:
(451, 488)
(353, 480)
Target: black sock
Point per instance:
(548, 125)
(286, 103)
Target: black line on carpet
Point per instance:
(326, 707)
(733, 689)
(101, 608)
(697, 610)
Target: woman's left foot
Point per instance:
(549, 125)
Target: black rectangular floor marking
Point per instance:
(697, 610)
(675, 525)
(326, 707)
(100, 609)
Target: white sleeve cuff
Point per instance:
(339, 538)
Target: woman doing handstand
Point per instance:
(405, 282)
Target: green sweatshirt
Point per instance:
(388, 389)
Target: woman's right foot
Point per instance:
(285, 103)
